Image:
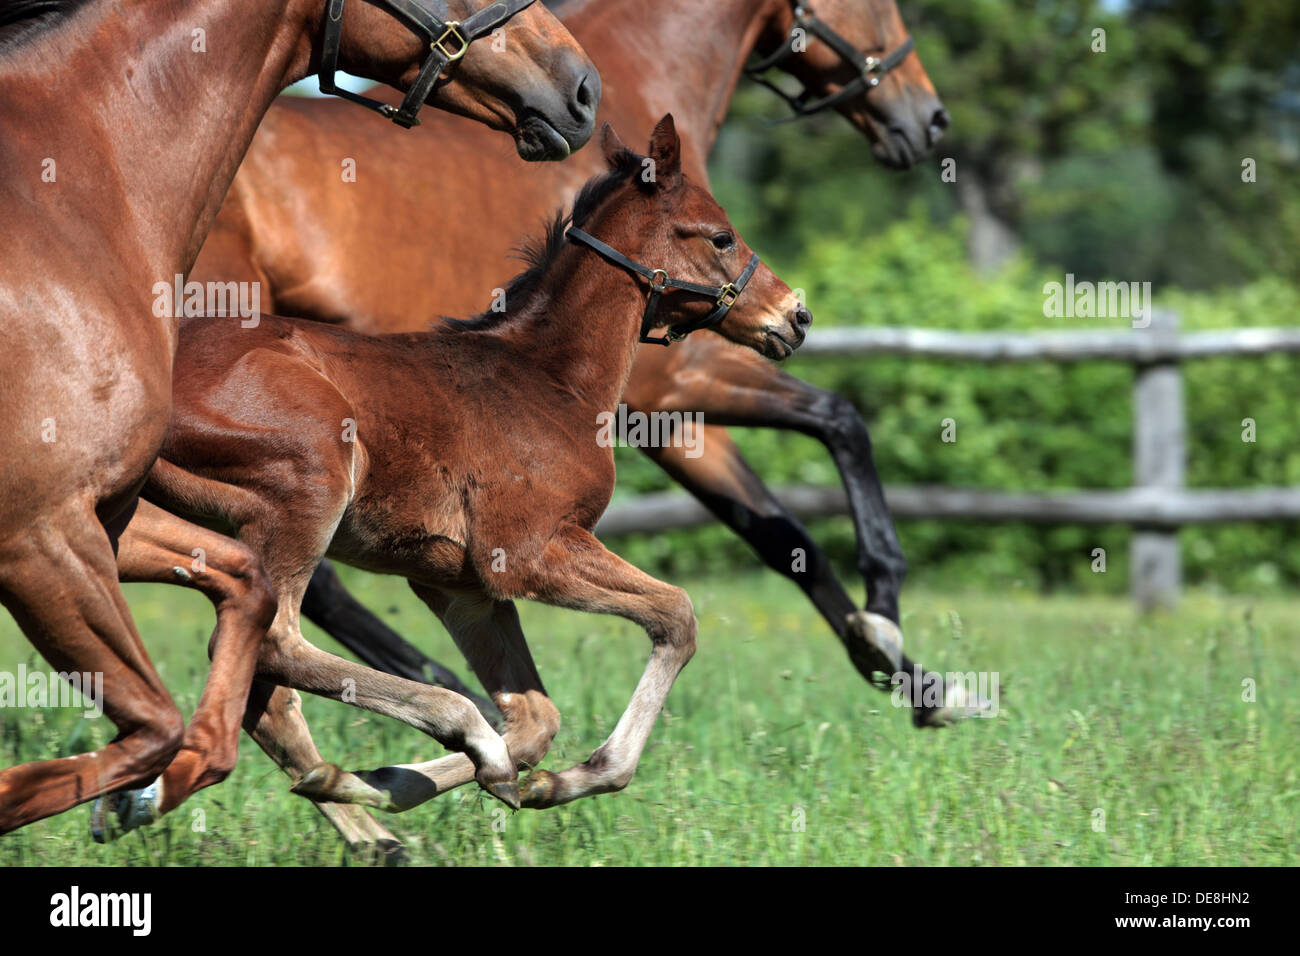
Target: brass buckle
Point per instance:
(728, 295)
(662, 284)
(452, 31)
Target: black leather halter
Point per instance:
(725, 296)
(870, 69)
(448, 40)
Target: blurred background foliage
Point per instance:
(1123, 165)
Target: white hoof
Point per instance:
(884, 637)
(960, 703)
(116, 813)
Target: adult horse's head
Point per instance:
(671, 235)
(856, 57)
(508, 64)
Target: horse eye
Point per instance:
(723, 241)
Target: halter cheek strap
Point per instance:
(448, 41)
(724, 296)
(870, 69)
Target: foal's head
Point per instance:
(648, 211)
(528, 76)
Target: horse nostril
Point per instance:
(586, 97)
(802, 319)
(938, 124)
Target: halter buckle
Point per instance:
(728, 295)
(871, 71)
(453, 34)
(657, 284)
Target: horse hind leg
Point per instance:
(158, 547)
(575, 571)
(489, 634)
(59, 580)
(328, 605)
(274, 720)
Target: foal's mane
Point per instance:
(21, 19)
(540, 254)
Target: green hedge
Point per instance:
(1026, 426)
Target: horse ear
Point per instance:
(666, 151)
(610, 145)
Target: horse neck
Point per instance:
(148, 132)
(681, 56)
(583, 327)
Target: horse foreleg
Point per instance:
(725, 484)
(743, 390)
(576, 571)
(723, 481)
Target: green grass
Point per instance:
(769, 726)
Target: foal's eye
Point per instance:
(723, 241)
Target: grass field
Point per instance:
(773, 751)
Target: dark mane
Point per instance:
(539, 254)
(20, 19)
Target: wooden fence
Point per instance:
(1156, 506)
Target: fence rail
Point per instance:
(1156, 507)
(1131, 346)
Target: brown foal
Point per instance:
(124, 125)
(363, 255)
(468, 460)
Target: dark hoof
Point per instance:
(507, 792)
(380, 853)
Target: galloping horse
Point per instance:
(468, 459)
(124, 125)
(351, 254)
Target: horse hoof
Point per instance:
(392, 853)
(380, 853)
(318, 782)
(883, 638)
(506, 791)
(117, 813)
(537, 789)
(958, 704)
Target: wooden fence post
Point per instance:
(1160, 462)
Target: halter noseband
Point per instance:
(870, 69)
(448, 40)
(725, 296)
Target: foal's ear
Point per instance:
(666, 151)
(611, 145)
